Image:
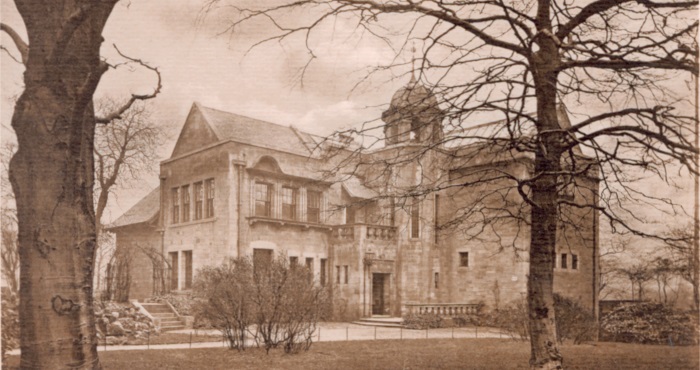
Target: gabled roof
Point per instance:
(354, 187)
(230, 126)
(143, 211)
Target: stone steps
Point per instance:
(165, 316)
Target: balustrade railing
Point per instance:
(372, 232)
(443, 309)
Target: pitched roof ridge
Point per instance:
(202, 110)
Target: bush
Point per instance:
(279, 301)
(573, 321)
(10, 322)
(651, 323)
(423, 321)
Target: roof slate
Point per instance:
(143, 211)
(230, 126)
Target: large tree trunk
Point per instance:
(544, 208)
(543, 341)
(52, 177)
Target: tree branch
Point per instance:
(134, 97)
(21, 46)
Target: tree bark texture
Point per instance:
(544, 352)
(52, 177)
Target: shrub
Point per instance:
(423, 321)
(651, 323)
(10, 322)
(182, 303)
(225, 302)
(279, 301)
(573, 321)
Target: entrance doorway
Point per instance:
(380, 294)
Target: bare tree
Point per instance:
(638, 274)
(125, 150)
(52, 176)
(683, 254)
(521, 60)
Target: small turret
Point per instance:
(413, 116)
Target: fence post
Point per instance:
(148, 340)
(190, 340)
(346, 334)
(453, 332)
(375, 333)
(426, 333)
(319, 333)
(476, 332)
(401, 333)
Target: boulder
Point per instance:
(115, 329)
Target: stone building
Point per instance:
(382, 230)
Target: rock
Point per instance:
(113, 341)
(115, 314)
(115, 329)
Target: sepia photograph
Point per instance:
(350, 184)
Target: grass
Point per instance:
(407, 354)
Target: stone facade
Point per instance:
(371, 232)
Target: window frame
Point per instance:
(346, 270)
(267, 203)
(313, 214)
(415, 220)
(464, 259)
(175, 208)
(289, 210)
(210, 190)
(186, 200)
(563, 261)
(198, 200)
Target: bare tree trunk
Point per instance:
(544, 208)
(544, 351)
(52, 178)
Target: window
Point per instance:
(437, 280)
(415, 220)
(175, 198)
(174, 269)
(463, 259)
(289, 203)
(210, 198)
(349, 215)
(263, 200)
(323, 271)
(337, 274)
(293, 262)
(574, 262)
(185, 203)
(346, 274)
(262, 258)
(313, 206)
(188, 269)
(198, 198)
(310, 264)
(563, 261)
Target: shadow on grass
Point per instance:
(407, 354)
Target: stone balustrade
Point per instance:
(344, 232)
(381, 232)
(370, 232)
(443, 309)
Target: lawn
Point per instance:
(407, 354)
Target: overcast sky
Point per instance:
(200, 61)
